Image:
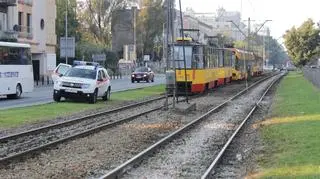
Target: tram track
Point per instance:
(143, 158)
(127, 139)
(211, 169)
(16, 145)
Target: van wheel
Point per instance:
(107, 95)
(17, 94)
(56, 97)
(93, 97)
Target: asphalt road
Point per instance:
(43, 95)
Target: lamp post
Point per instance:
(66, 28)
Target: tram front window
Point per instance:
(178, 56)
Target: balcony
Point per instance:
(8, 35)
(6, 3)
(24, 31)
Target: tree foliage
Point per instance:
(302, 43)
(150, 27)
(73, 24)
(96, 15)
(275, 52)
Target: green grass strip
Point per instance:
(292, 134)
(19, 116)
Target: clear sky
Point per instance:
(283, 13)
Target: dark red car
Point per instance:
(142, 74)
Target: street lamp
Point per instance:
(66, 28)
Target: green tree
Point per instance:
(150, 27)
(73, 24)
(241, 44)
(275, 52)
(302, 43)
(96, 16)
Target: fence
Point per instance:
(43, 80)
(313, 75)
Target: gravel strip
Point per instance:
(97, 154)
(240, 160)
(190, 154)
(26, 142)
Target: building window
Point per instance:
(20, 18)
(29, 22)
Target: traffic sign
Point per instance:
(99, 57)
(67, 47)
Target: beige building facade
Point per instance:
(32, 22)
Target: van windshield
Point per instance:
(81, 73)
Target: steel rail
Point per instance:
(224, 148)
(72, 121)
(80, 134)
(118, 171)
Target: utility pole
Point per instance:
(172, 53)
(184, 54)
(66, 33)
(134, 9)
(245, 65)
(165, 49)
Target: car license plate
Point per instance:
(71, 90)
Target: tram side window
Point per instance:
(233, 60)
(14, 56)
(220, 58)
(197, 60)
(209, 58)
(227, 58)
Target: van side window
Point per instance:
(103, 74)
(99, 75)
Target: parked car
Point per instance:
(84, 80)
(61, 69)
(142, 74)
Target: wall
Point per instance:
(38, 13)
(51, 15)
(313, 75)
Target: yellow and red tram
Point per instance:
(208, 67)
